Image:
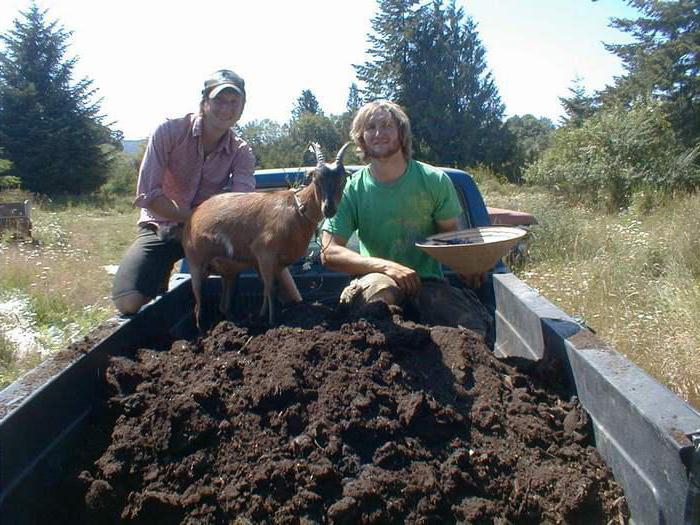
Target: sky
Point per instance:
(149, 58)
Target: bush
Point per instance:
(615, 154)
(8, 182)
(122, 176)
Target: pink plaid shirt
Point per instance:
(174, 165)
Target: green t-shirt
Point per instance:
(390, 218)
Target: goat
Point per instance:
(231, 232)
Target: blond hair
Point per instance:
(359, 125)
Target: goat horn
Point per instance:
(339, 156)
(316, 149)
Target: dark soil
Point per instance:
(365, 420)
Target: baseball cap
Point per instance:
(222, 79)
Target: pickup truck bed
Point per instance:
(642, 430)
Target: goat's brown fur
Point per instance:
(266, 231)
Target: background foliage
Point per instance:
(50, 126)
(617, 152)
(663, 62)
(429, 59)
(641, 135)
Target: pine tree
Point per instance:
(578, 106)
(354, 101)
(306, 103)
(50, 126)
(434, 65)
(663, 62)
(393, 31)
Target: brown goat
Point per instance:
(231, 232)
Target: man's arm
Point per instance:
(149, 187)
(474, 280)
(336, 256)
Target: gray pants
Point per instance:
(436, 303)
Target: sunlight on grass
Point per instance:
(61, 272)
(13, 362)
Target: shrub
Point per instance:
(615, 154)
(8, 182)
(122, 176)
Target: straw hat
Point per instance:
(476, 250)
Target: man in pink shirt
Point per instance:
(187, 161)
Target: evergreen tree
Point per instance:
(5, 164)
(306, 103)
(663, 62)
(343, 122)
(435, 67)
(354, 101)
(393, 31)
(50, 126)
(578, 106)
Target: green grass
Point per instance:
(61, 271)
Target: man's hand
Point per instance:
(405, 277)
(337, 257)
(473, 280)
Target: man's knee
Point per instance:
(389, 295)
(130, 303)
(371, 288)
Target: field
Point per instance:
(631, 276)
(56, 287)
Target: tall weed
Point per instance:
(8, 360)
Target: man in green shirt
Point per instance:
(391, 203)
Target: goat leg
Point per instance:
(269, 306)
(228, 292)
(288, 291)
(263, 310)
(229, 270)
(268, 274)
(272, 302)
(196, 278)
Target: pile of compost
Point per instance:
(370, 419)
